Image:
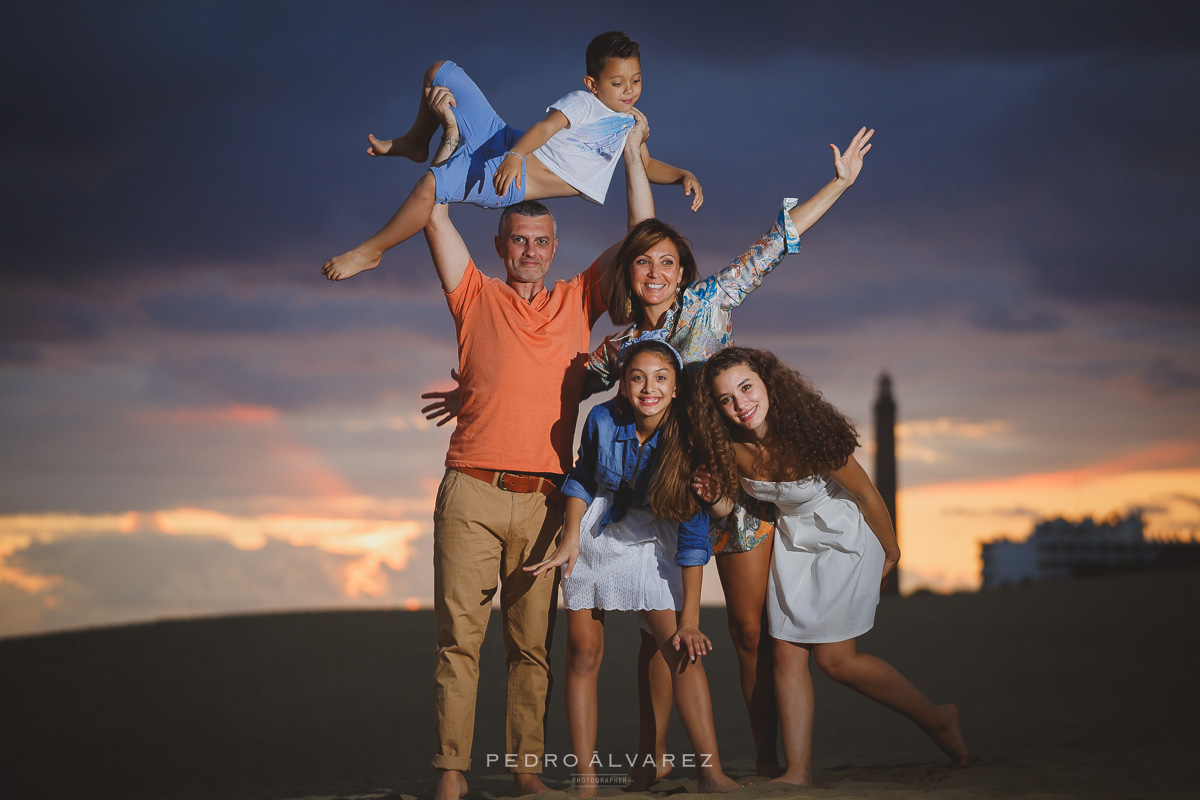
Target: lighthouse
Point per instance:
(885, 458)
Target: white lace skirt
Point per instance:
(627, 566)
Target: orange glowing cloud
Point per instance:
(371, 543)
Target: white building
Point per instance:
(1058, 548)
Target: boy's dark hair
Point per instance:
(525, 208)
(607, 46)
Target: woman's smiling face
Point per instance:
(655, 276)
(742, 398)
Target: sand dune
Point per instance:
(1084, 689)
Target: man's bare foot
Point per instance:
(400, 146)
(451, 785)
(350, 263)
(528, 783)
(948, 736)
(712, 781)
(801, 777)
(767, 767)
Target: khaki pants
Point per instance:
(481, 532)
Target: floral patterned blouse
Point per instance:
(698, 326)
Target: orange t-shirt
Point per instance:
(521, 368)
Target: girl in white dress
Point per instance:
(623, 551)
(762, 425)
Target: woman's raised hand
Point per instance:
(849, 164)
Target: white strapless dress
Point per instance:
(827, 563)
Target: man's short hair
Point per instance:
(607, 46)
(525, 208)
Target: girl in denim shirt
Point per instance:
(623, 551)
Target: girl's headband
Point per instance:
(648, 336)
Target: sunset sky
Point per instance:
(194, 421)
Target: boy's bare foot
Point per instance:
(451, 785)
(350, 263)
(400, 146)
(801, 777)
(714, 780)
(528, 783)
(948, 735)
(767, 767)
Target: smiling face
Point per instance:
(648, 383)
(527, 247)
(654, 276)
(619, 84)
(742, 398)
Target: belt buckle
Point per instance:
(502, 480)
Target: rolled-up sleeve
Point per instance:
(746, 272)
(581, 480)
(693, 548)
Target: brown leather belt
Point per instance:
(511, 482)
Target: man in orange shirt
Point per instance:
(522, 354)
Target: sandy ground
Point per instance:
(1083, 689)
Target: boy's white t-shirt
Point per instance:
(585, 154)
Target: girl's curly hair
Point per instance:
(806, 434)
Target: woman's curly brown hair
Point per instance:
(805, 432)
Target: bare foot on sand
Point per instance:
(350, 263)
(801, 777)
(451, 785)
(528, 783)
(714, 781)
(948, 736)
(400, 146)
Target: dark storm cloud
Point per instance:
(902, 33)
(284, 311)
(149, 133)
(1165, 378)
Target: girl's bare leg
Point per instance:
(793, 687)
(654, 715)
(693, 703)
(411, 218)
(413, 145)
(744, 579)
(585, 649)
(881, 682)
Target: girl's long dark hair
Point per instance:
(805, 433)
(671, 495)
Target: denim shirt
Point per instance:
(610, 456)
